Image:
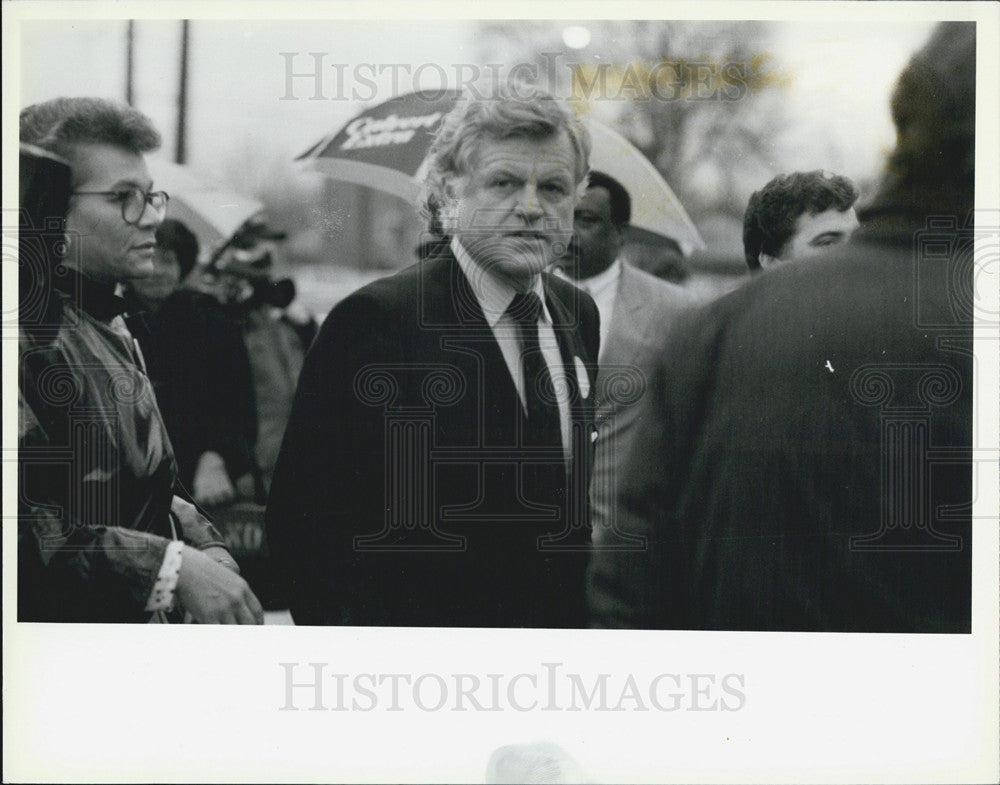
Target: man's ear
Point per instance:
(448, 204)
(767, 261)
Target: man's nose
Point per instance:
(151, 217)
(529, 207)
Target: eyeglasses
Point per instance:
(134, 201)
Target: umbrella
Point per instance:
(385, 146)
(655, 207)
(212, 211)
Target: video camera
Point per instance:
(239, 272)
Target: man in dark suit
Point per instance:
(434, 470)
(804, 463)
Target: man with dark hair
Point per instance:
(797, 216)
(600, 222)
(620, 202)
(434, 470)
(635, 310)
(804, 461)
(102, 535)
(175, 237)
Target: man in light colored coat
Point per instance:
(636, 309)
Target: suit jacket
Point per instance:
(402, 494)
(645, 310)
(803, 463)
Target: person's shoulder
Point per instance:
(575, 300)
(38, 330)
(845, 284)
(386, 305)
(188, 297)
(836, 281)
(381, 293)
(638, 283)
(186, 303)
(397, 289)
(567, 291)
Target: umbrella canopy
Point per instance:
(655, 207)
(213, 212)
(385, 146)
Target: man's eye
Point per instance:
(554, 188)
(501, 182)
(121, 196)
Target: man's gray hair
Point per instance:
(517, 110)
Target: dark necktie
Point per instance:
(539, 391)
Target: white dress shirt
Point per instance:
(603, 287)
(494, 296)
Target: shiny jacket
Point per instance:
(96, 470)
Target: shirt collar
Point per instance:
(493, 293)
(96, 298)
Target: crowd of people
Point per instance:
(522, 429)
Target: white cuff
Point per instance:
(162, 596)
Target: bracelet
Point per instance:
(162, 596)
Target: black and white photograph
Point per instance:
(559, 394)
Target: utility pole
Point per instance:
(129, 62)
(181, 154)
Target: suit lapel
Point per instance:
(577, 365)
(627, 316)
(630, 328)
(471, 338)
(570, 344)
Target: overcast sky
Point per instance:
(844, 704)
(840, 79)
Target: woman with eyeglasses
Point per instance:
(105, 531)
